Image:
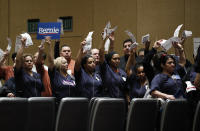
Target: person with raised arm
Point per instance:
(28, 83)
(87, 77)
(137, 81)
(40, 57)
(114, 78)
(62, 84)
(168, 84)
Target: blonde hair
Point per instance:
(58, 63)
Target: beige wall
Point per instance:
(157, 17)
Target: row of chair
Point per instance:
(103, 114)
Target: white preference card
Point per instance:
(18, 43)
(196, 42)
(29, 41)
(166, 44)
(108, 25)
(190, 86)
(176, 32)
(162, 41)
(145, 38)
(186, 34)
(9, 44)
(133, 46)
(175, 39)
(107, 45)
(131, 36)
(88, 45)
(109, 31)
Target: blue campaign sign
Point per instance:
(51, 29)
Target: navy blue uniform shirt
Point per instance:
(168, 85)
(88, 86)
(61, 86)
(115, 83)
(135, 88)
(27, 85)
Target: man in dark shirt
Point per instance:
(123, 59)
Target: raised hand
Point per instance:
(147, 45)
(48, 40)
(23, 40)
(177, 45)
(157, 44)
(111, 37)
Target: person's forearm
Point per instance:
(19, 57)
(50, 57)
(130, 62)
(111, 48)
(78, 60)
(161, 95)
(101, 52)
(182, 60)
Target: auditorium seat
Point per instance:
(142, 115)
(196, 123)
(41, 114)
(72, 114)
(108, 114)
(176, 116)
(13, 114)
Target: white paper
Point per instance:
(196, 42)
(29, 41)
(133, 46)
(131, 36)
(61, 21)
(175, 39)
(1, 54)
(176, 32)
(104, 34)
(9, 44)
(108, 26)
(166, 44)
(107, 45)
(110, 31)
(186, 34)
(88, 45)
(162, 41)
(18, 43)
(190, 86)
(145, 38)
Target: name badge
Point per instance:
(176, 77)
(97, 78)
(124, 78)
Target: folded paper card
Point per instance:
(132, 37)
(29, 41)
(145, 38)
(88, 44)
